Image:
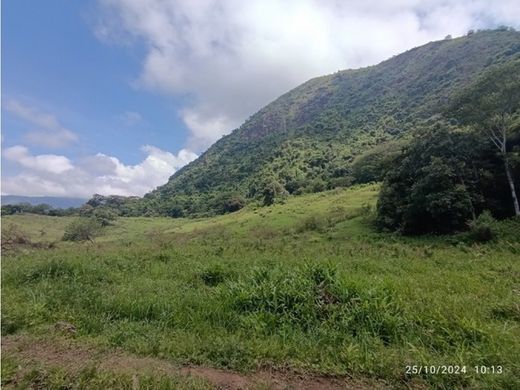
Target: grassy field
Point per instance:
(302, 287)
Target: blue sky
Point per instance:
(53, 62)
(113, 96)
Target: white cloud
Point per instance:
(49, 163)
(55, 175)
(230, 57)
(49, 132)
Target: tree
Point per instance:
(372, 165)
(104, 215)
(10, 209)
(492, 106)
(233, 203)
(499, 127)
(271, 191)
(96, 200)
(443, 178)
(86, 210)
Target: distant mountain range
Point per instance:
(54, 201)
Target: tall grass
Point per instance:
(243, 291)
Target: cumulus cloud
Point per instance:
(49, 132)
(49, 163)
(55, 175)
(230, 57)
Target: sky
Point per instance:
(114, 96)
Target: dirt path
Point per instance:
(73, 357)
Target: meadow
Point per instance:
(306, 288)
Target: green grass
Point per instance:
(56, 378)
(305, 285)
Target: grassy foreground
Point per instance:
(306, 286)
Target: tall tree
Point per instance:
(491, 105)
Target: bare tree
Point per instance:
(500, 126)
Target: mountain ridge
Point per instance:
(309, 138)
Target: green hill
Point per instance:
(310, 138)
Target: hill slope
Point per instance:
(306, 286)
(307, 140)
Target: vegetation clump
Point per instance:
(315, 298)
(214, 275)
(41, 209)
(13, 237)
(451, 172)
(482, 229)
(441, 180)
(83, 229)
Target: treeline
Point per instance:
(41, 209)
(175, 207)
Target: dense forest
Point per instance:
(452, 172)
(423, 122)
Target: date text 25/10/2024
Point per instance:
(452, 369)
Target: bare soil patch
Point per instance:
(72, 356)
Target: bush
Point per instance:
(317, 185)
(83, 229)
(313, 223)
(233, 203)
(273, 191)
(482, 229)
(104, 216)
(175, 211)
(13, 237)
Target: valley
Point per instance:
(301, 289)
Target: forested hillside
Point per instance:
(453, 172)
(333, 130)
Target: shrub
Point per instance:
(233, 203)
(86, 210)
(271, 192)
(13, 237)
(368, 214)
(317, 185)
(340, 182)
(175, 211)
(482, 229)
(104, 216)
(83, 229)
(313, 223)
